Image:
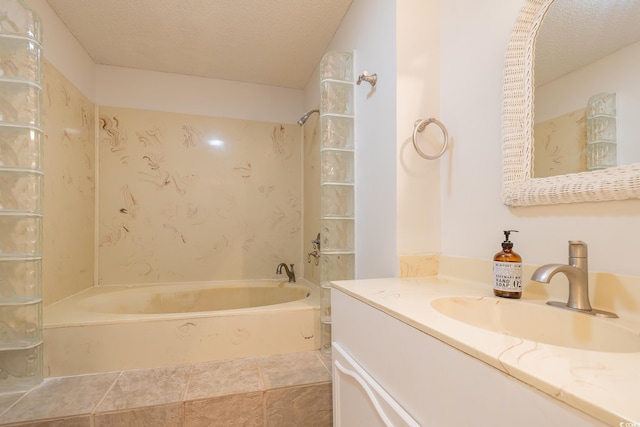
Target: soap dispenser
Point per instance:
(507, 270)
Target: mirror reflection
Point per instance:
(587, 93)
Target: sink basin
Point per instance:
(541, 323)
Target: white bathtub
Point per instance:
(110, 328)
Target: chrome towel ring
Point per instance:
(419, 127)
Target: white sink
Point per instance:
(541, 323)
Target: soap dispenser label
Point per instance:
(507, 276)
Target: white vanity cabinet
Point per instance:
(380, 362)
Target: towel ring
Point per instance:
(419, 127)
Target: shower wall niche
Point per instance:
(21, 184)
(337, 180)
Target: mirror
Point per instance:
(520, 185)
(587, 93)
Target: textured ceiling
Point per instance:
(271, 42)
(575, 33)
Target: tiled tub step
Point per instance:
(281, 390)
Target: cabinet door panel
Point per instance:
(359, 400)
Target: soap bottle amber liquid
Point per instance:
(507, 271)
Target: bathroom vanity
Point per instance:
(399, 360)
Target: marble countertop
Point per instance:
(604, 385)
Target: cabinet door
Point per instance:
(358, 398)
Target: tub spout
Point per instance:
(290, 273)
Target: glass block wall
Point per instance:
(601, 132)
(21, 182)
(337, 180)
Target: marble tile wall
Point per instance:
(312, 226)
(190, 198)
(283, 390)
(69, 188)
(560, 145)
(173, 205)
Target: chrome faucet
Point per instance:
(290, 273)
(577, 272)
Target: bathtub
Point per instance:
(113, 328)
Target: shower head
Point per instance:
(304, 118)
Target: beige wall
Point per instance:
(418, 97)
(397, 192)
(69, 165)
(174, 208)
(149, 90)
(474, 39)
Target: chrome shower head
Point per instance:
(304, 118)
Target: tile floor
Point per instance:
(282, 390)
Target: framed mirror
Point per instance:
(520, 186)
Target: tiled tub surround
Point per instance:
(105, 328)
(186, 198)
(311, 193)
(174, 204)
(602, 384)
(281, 390)
(69, 188)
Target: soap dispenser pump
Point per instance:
(507, 270)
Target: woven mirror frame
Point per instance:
(519, 188)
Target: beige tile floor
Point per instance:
(281, 390)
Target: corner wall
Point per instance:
(369, 29)
(418, 97)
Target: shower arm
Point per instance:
(302, 120)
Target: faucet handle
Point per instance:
(577, 249)
(316, 242)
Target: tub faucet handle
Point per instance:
(316, 243)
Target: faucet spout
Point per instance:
(578, 283)
(577, 273)
(290, 273)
